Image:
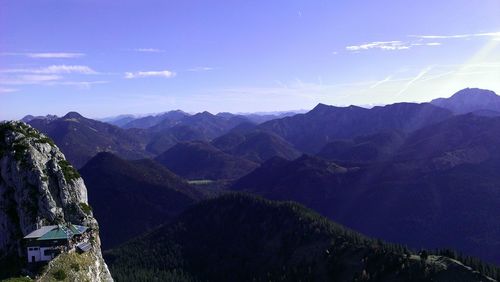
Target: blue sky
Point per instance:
(104, 58)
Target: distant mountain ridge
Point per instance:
(470, 100)
(81, 138)
(173, 117)
(29, 118)
(309, 132)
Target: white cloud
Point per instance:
(39, 78)
(68, 69)
(48, 55)
(494, 35)
(427, 44)
(29, 79)
(140, 74)
(54, 69)
(80, 84)
(149, 50)
(55, 55)
(383, 45)
(8, 90)
(198, 69)
(390, 45)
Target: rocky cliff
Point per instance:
(39, 187)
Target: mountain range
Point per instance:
(415, 174)
(421, 175)
(436, 189)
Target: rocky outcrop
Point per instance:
(39, 187)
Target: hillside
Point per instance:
(311, 131)
(39, 187)
(366, 148)
(115, 185)
(462, 139)
(422, 197)
(200, 160)
(257, 146)
(81, 138)
(243, 238)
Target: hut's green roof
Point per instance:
(62, 232)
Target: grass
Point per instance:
(59, 275)
(70, 173)
(69, 267)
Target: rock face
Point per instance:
(39, 187)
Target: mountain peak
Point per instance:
(470, 100)
(204, 114)
(70, 115)
(474, 92)
(321, 106)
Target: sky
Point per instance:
(104, 58)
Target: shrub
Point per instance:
(70, 173)
(59, 275)
(86, 208)
(75, 266)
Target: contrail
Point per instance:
(419, 76)
(382, 81)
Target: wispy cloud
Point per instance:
(29, 79)
(45, 80)
(427, 44)
(149, 50)
(48, 76)
(80, 84)
(141, 74)
(198, 69)
(494, 35)
(419, 40)
(47, 55)
(8, 90)
(384, 45)
(390, 45)
(54, 69)
(55, 55)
